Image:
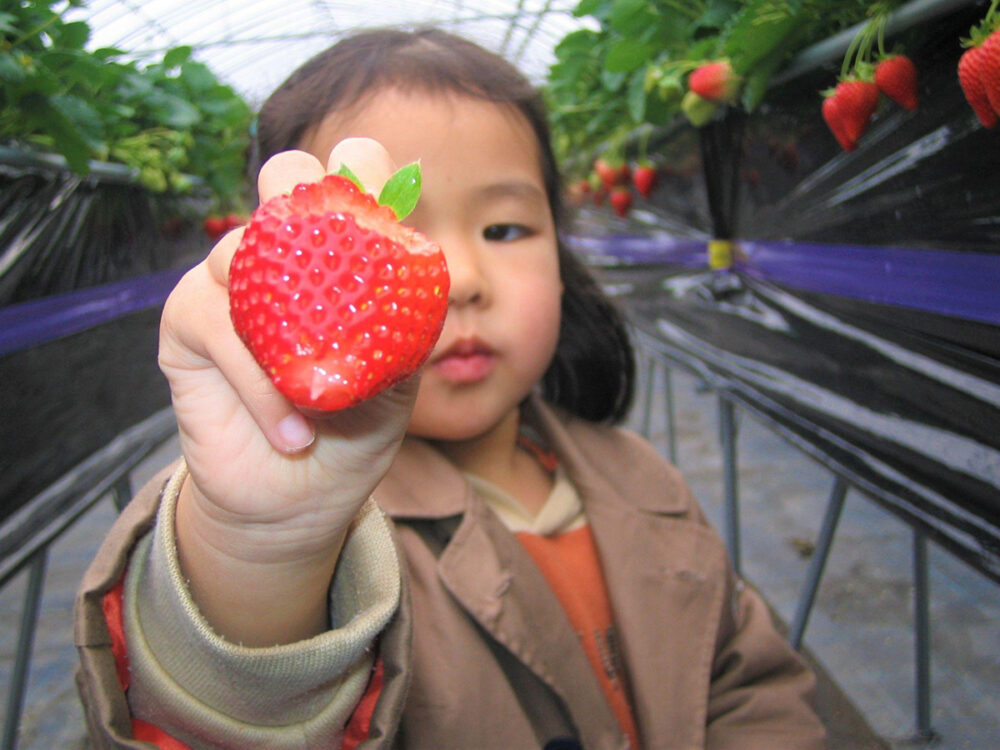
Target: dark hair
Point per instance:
(593, 372)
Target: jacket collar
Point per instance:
(423, 484)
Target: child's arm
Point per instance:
(262, 516)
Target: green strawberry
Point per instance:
(698, 110)
(335, 299)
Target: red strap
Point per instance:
(112, 606)
(356, 730)
(361, 720)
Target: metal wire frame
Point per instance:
(26, 537)
(254, 44)
(654, 354)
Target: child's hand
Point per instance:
(262, 516)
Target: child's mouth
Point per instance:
(465, 361)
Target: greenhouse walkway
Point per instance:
(860, 631)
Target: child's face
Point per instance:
(484, 201)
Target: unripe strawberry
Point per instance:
(698, 110)
(609, 173)
(896, 77)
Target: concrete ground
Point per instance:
(860, 632)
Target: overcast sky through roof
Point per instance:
(254, 44)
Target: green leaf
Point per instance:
(176, 56)
(8, 23)
(345, 171)
(761, 27)
(67, 137)
(636, 96)
(612, 80)
(197, 77)
(74, 34)
(172, 111)
(626, 55)
(402, 191)
(580, 42)
(631, 18)
(10, 71)
(597, 8)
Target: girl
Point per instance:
(474, 560)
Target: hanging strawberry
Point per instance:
(979, 68)
(896, 77)
(215, 226)
(991, 69)
(971, 79)
(715, 81)
(621, 200)
(849, 109)
(644, 177)
(835, 121)
(610, 172)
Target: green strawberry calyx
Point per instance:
(400, 192)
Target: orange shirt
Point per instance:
(559, 539)
(569, 562)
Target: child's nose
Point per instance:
(468, 282)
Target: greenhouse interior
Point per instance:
(786, 214)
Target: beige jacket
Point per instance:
(477, 651)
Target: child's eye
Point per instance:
(505, 232)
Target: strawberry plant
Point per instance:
(634, 69)
(868, 71)
(335, 299)
(167, 121)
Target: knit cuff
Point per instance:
(202, 689)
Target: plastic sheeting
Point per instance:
(861, 317)
(85, 265)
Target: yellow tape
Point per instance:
(720, 253)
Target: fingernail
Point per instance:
(295, 432)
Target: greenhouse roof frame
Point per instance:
(254, 44)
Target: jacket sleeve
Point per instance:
(762, 690)
(207, 692)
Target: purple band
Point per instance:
(960, 284)
(34, 322)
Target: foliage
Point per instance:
(632, 70)
(165, 120)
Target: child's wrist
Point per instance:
(252, 593)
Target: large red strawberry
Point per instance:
(715, 81)
(971, 67)
(857, 100)
(644, 177)
(896, 77)
(335, 299)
